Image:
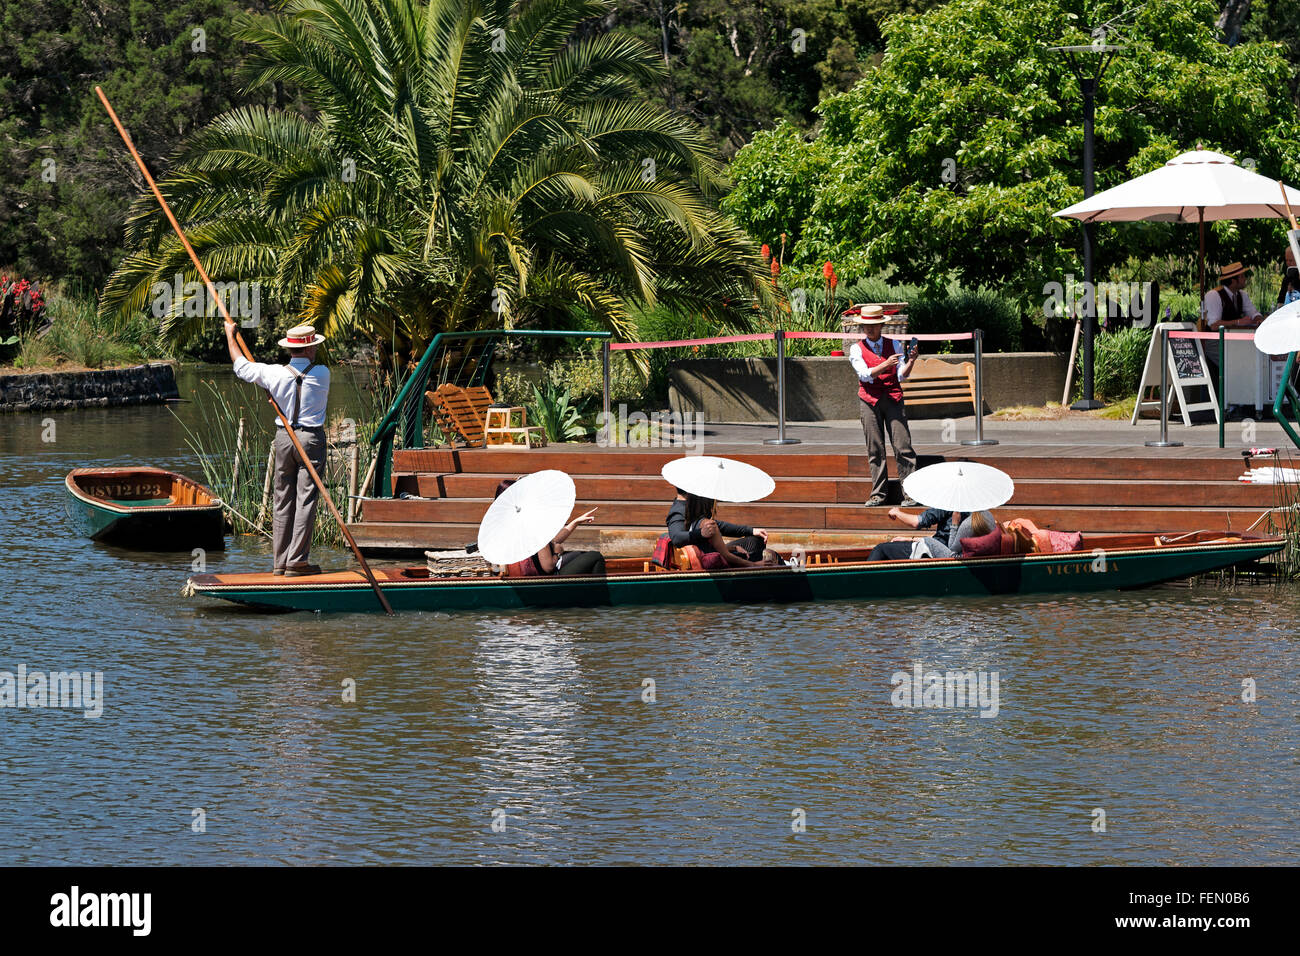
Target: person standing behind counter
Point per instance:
(1228, 304)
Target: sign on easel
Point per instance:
(1187, 370)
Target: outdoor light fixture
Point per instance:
(1097, 55)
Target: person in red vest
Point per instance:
(882, 367)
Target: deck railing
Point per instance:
(407, 410)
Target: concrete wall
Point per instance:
(824, 388)
(150, 384)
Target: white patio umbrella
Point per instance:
(1199, 186)
(1280, 332)
(964, 486)
(720, 479)
(526, 517)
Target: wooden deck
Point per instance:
(820, 490)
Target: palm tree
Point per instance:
(470, 163)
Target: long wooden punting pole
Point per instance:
(221, 307)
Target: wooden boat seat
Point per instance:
(936, 382)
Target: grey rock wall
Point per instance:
(150, 384)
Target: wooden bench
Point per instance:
(936, 382)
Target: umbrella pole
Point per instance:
(1200, 218)
(239, 339)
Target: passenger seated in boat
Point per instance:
(944, 543)
(553, 559)
(691, 520)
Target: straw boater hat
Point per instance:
(1232, 270)
(869, 315)
(301, 337)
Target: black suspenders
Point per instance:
(297, 391)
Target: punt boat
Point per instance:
(1103, 562)
(147, 509)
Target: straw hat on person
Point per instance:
(301, 337)
(869, 315)
(1232, 270)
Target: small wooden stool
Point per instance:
(500, 431)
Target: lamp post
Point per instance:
(1078, 57)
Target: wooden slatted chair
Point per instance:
(480, 398)
(457, 413)
(936, 382)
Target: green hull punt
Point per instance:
(1096, 568)
(144, 508)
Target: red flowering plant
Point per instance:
(22, 309)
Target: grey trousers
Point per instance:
(886, 414)
(295, 496)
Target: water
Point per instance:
(1126, 702)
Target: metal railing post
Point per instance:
(979, 394)
(604, 364)
(1223, 405)
(1164, 441)
(780, 438)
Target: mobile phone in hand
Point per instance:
(911, 347)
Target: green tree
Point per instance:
(65, 182)
(738, 66)
(949, 160)
(468, 164)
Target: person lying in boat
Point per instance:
(553, 559)
(944, 543)
(692, 520)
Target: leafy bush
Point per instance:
(557, 414)
(966, 310)
(22, 310)
(1118, 359)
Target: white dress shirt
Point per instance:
(1214, 307)
(279, 381)
(861, 365)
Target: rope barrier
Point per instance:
(769, 336)
(677, 343)
(779, 337)
(928, 337)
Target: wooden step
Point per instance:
(1033, 491)
(1106, 464)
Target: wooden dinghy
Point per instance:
(148, 509)
(1103, 562)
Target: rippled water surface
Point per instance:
(1128, 702)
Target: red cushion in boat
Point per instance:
(985, 544)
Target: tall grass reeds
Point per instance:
(233, 444)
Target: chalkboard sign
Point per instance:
(1187, 371)
(1187, 358)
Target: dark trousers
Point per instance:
(891, 551)
(581, 562)
(886, 415)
